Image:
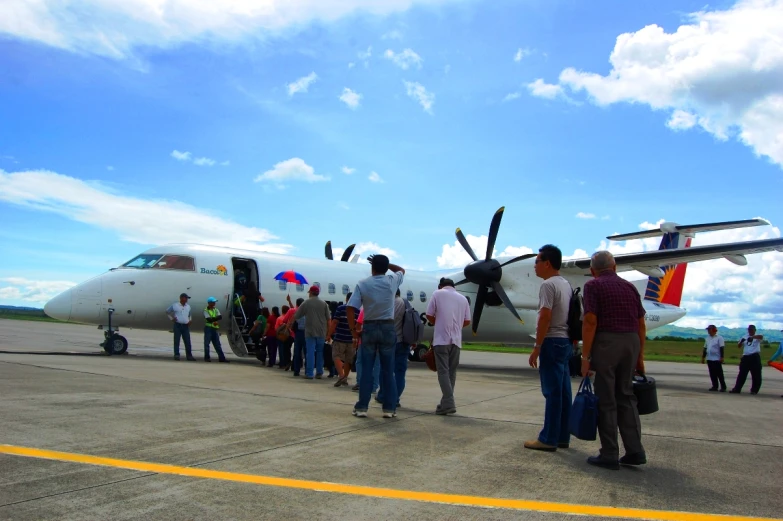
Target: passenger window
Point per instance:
(410, 296)
(346, 289)
(282, 285)
(423, 296)
(300, 288)
(142, 261)
(332, 289)
(175, 262)
(317, 284)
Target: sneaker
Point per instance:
(389, 414)
(734, 391)
(444, 412)
(319, 376)
(345, 382)
(360, 414)
(355, 388)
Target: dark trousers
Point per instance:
(716, 373)
(212, 335)
(271, 349)
(285, 351)
(299, 350)
(447, 361)
(752, 364)
(614, 359)
(182, 331)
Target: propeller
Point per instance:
(486, 273)
(346, 254)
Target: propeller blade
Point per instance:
(493, 231)
(478, 307)
(463, 281)
(502, 294)
(328, 250)
(347, 253)
(464, 242)
(520, 258)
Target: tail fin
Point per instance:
(668, 289)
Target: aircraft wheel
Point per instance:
(115, 345)
(421, 350)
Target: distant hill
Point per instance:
(728, 333)
(20, 308)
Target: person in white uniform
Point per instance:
(750, 361)
(713, 354)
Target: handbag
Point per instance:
(583, 422)
(429, 359)
(282, 332)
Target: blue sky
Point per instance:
(126, 127)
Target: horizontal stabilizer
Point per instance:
(688, 230)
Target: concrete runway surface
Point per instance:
(87, 436)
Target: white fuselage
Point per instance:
(139, 297)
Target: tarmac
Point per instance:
(88, 436)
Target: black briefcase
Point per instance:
(646, 394)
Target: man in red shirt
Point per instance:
(613, 333)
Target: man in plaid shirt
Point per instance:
(613, 334)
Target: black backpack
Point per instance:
(575, 316)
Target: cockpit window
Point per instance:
(175, 262)
(143, 261)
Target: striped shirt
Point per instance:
(342, 333)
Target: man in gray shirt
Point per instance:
(317, 316)
(554, 349)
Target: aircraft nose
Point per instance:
(60, 306)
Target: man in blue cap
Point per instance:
(212, 330)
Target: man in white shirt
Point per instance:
(179, 313)
(449, 312)
(750, 361)
(554, 348)
(713, 353)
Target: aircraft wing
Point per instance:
(649, 260)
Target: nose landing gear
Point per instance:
(113, 343)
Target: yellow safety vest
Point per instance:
(213, 313)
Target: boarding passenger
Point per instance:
(271, 336)
(713, 354)
(750, 361)
(401, 350)
(212, 330)
(342, 346)
(376, 295)
(613, 334)
(449, 312)
(298, 328)
(179, 313)
(285, 345)
(256, 333)
(317, 316)
(553, 349)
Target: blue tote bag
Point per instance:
(583, 422)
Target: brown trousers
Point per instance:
(614, 358)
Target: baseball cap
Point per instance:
(184, 295)
(315, 290)
(211, 299)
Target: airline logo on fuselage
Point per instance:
(220, 270)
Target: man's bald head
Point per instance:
(602, 261)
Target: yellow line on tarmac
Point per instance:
(386, 493)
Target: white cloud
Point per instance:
(365, 56)
(512, 96)
(181, 156)
(583, 215)
(521, 53)
(351, 98)
(721, 72)
(392, 35)
(347, 170)
(417, 92)
(117, 29)
(375, 178)
(542, 89)
(302, 84)
(204, 161)
(110, 168)
(19, 289)
(145, 221)
(455, 256)
(405, 59)
(294, 169)
(373, 248)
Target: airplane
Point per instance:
(135, 294)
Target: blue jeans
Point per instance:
(299, 350)
(212, 335)
(378, 341)
(315, 353)
(182, 331)
(401, 351)
(376, 371)
(556, 388)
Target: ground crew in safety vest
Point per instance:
(212, 330)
